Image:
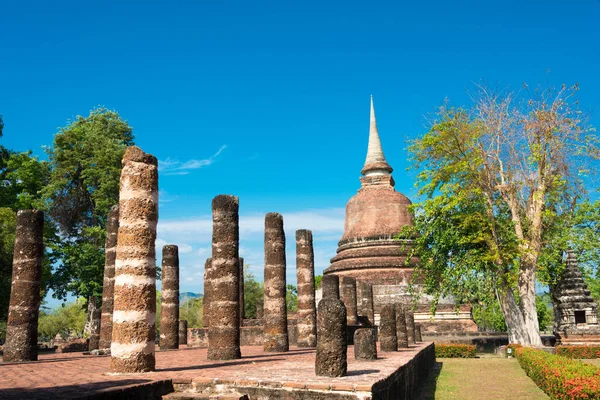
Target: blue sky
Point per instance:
(269, 100)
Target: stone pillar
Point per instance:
(183, 330)
(134, 316)
(331, 338)
(275, 311)
(365, 303)
(410, 326)
(108, 287)
(401, 327)
(305, 274)
(169, 312)
(242, 304)
(95, 316)
(418, 337)
(23, 311)
(330, 286)
(349, 299)
(365, 345)
(208, 271)
(224, 330)
(388, 341)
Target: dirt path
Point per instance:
(490, 378)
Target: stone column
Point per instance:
(410, 326)
(224, 330)
(242, 304)
(418, 337)
(275, 311)
(108, 287)
(388, 341)
(365, 345)
(134, 316)
(169, 313)
(330, 286)
(401, 327)
(183, 330)
(305, 274)
(208, 271)
(365, 303)
(95, 317)
(23, 311)
(349, 299)
(331, 338)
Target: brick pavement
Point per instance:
(73, 375)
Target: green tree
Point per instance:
(67, 320)
(489, 175)
(318, 280)
(253, 293)
(85, 162)
(291, 298)
(7, 241)
(192, 312)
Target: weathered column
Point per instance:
(388, 341)
(331, 338)
(95, 316)
(134, 316)
(169, 312)
(224, 330)
(330, 286)
(418, 337)
(305, 274)
(108, 287)
(365, 345)
(401, 327)
(183, 330)
(365, 303)
(23, 311)
(242, 304)
(275, 311)
(208, 271)
(349, 299)
(410, 326)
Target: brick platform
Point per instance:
(276, 375)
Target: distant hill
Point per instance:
(185, 296)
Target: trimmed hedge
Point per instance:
(578, 351)
(560, 377)
(455, 351)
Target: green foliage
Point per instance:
(291, 298)
(7, 241)
(455, 351)
(545, 312)
(253, 293)
(86, 166)
(68, 320)
(192, 312)
(2, 331)
(560, 377)
(489, 317)
(580, 352)
(318, 280)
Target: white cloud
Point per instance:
(175, 167)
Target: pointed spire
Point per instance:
(375, 164)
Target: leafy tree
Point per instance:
(291, 298)
(68, 320)
(488, 317)
(253, 293)
(490, 174)
(7, 241)
(192, 312)
(318, 280)
(85, 162)
(545, 313)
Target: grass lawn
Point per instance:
(491, 378)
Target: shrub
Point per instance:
(513, 347)
(560, 377)
(455, 351)
(578, 351)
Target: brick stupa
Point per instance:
(369, 252)
(577, 311)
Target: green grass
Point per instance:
(490, 378)
(595, 361)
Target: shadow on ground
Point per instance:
(427, 391)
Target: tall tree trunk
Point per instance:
(512, 315)
(528, 306)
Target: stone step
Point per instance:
(204, 396)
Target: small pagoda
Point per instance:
(575, 309)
